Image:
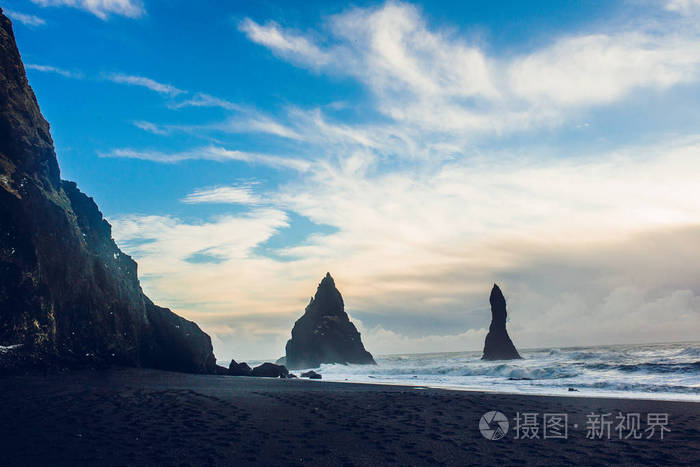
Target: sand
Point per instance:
(148, 417)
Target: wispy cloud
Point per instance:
(150, 127)
(206, 100)
(286, 43)
(255, 122)
(28, 20)
(53, 69)
(241, 194)
(147, 83)
(212, 153)
(100, 8)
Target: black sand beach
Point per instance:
(149, 417)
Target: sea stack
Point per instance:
(324, 334)
(498, 345)
(68, 295)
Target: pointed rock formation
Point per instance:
(325, 334)
(68, 295)
(498, 345)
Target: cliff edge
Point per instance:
(68, 295)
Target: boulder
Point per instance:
(498, 345)
(311, 374)
(324, 334)
(239, 369)
(270, 370)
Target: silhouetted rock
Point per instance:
(239, 369)
(498, 345)
(311, 374)
(67, 293)
(324, 334)
(270, 370)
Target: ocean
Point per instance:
(654, 371)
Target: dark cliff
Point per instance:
(498, 345)
(68, 295)
(324, 334)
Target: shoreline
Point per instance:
(578, 393)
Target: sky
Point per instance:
(420, 152)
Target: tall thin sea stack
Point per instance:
(498, 345)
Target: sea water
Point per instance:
(656, 371)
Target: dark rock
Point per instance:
(221, 370)
(291, 376)
(573, 390)
(311, 374)
(67, 293)
(324, 334)
(239, 369)
(270, 370)
(498, 345)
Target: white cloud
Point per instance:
(601, 68)
(242, 194)
(211, 153)
(228, 237)
(285, 43)
(150, 127)
(684, 7)
(100, 8)
(435, 80)
(254, 122)
(206, 100)
(144, 82)
(246, 120)
(28, 20)
(53, 69)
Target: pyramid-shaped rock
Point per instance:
(325, 334)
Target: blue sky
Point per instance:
(418, 151)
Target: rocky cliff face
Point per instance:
(325, 334)
(498, 345)
(67, 293)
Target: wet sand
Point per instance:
(148, 417)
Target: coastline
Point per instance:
(673, 397)
(128, 416)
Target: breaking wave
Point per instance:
(668, 371)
